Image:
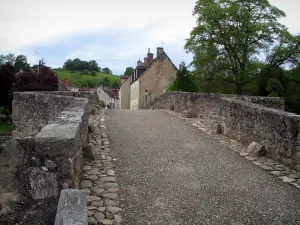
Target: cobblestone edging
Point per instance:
(283, 172)
(98, 177)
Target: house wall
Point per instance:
(125, 94)
(103, 96)
(156, 79)
(134, 95)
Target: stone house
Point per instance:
(109, 97)
(124, 93)
(151, 78)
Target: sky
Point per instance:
(115, 33)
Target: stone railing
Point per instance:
(244, 118)
(49, 132)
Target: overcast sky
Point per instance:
(116, 33)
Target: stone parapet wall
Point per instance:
(276, 130)
(49, 132)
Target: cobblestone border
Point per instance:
(98, 177)
(286, 174)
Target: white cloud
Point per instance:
(38, 21)
(25, 24)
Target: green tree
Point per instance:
(106, 70)
(10, 58)
(93, 65)
(21, 63)
(129, 71)
(229, 36)
(183, 81)
(2, 59)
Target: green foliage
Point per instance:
(101, 103)
(129, 71)
(228, 43)
(93, 73)
(21, 63)
(106, 70)
(80, 80)
(79, 65)
(5, 128)
(184, 80)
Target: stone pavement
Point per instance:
(170, 172)
(98, 177)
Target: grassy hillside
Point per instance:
(86, 79)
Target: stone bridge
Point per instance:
(192, 158)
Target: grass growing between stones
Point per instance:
(5, 128)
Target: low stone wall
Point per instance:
(276, 130)
(245, 118)
(49, 133)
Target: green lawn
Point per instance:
(5, 128)
(86, 80)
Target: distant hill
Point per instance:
(89, 79)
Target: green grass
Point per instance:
(86, 80)
(5, 128)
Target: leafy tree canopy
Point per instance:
(129, 71)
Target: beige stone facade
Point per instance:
(124, 94)
(159, 74)
(134, 95)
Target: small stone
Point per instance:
(249, 158)
(108, 179)
(285, 179)
(89, 151)
(108, 185)
(109, 215)
(44, 168)
(91, 177)
(113, 209)
(98, 191)
(93, 198)
(86, 184)
(90, 213)
(244, 154)
(106, 222)
(92, 221)
(110, 172)
(109, 202)
(294, 176)
(106, 143)
(296, 185)
(101, 209)
(97, 161)
(50, 165)
(108, 158)
(118, 218)
(112, 196)
(255, 149)
(86, 190)
(277, 173)
(103, 157)
(99, 216)
(87, 168)
(94, 171)
(98, 165)
(91, 207)
(113, 189)
(265, 167)
(97, 203)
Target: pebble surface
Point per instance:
(99, 177)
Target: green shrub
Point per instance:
(93, 73)
(101, 103)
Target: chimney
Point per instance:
(159, 53)
(145, 61)
(149, 56)
(139, 63)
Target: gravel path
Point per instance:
(171, 173)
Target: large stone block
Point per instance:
(72, 208)
(43, 184)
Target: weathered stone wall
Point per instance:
(50, 130)
(276, 130)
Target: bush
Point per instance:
(101, 103)
(93, 73)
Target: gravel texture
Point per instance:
(170, 172)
